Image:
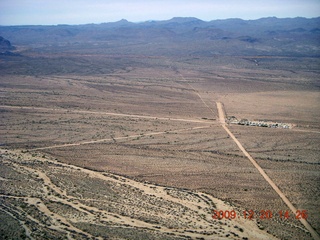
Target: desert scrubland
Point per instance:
(109, 141)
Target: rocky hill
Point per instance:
(5, 45)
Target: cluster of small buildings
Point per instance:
(246, 122)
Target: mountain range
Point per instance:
(177, 36)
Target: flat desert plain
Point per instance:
(146, 151)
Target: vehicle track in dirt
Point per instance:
(222, 121)
(197, 203)
(117, 138)
(107, 113)
(314, 234)
(22, 223)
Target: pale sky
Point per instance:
(51, 12)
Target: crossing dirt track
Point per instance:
(107, 137)
(186, 152)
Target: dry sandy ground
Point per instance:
(284, 198)
(159, 124)
(73, 202)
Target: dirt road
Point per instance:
(314, 234)
(107, 113)
(222, 117)
(81, 208)
(118, 138)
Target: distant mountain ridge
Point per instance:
(189, 36)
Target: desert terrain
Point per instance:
(130, 139)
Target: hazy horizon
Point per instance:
(37, 12)
(150, 20)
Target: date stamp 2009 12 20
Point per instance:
(262, 214)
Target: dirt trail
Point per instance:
(117, 138)
(196, 92)
(303, 130)
(201, 98)
(314, 234)
(222, 117)
(197, 203)
(92, 211)
(22, 223)
(107, 113)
